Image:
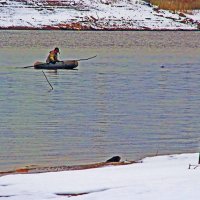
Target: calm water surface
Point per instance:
(121, 103)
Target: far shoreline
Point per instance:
(52, 28)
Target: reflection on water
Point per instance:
(120, 103)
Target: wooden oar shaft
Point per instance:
(87, 58)
(47, 80)
(28, 67)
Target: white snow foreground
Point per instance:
(92, 15)
(156, 178)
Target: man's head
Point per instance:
(57, 50)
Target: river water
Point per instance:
(120, 103)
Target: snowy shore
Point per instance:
(155, 178)
(93, 15)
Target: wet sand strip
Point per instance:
(31, 170)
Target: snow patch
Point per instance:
(162, 176)
(92, 14)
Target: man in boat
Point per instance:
(53, 56)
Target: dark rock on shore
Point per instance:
(114, 159)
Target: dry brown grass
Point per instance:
(177, 5)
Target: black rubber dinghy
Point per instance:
(67, 64)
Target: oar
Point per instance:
(27, 67)
(47, 80)
(87, 58)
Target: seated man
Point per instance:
(53, 56)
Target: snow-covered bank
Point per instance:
(92, 15)
(156, 178)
